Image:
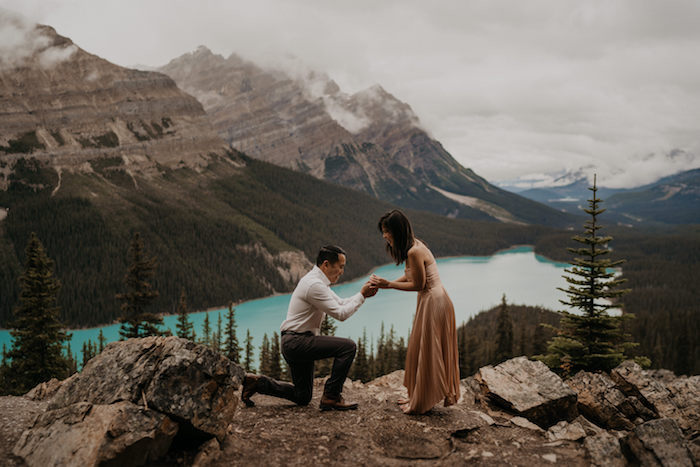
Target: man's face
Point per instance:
(333, 271)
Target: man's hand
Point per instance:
(368, 290)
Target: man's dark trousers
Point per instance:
(300, 350)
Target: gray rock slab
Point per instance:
(657, 443)
(529, 389)
(177, 377)
(89, 435)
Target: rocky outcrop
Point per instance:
(601, 401)
(680, 405)
(174, 376)
(85, 434)
(131, 402)
(529, 389)
(480, 429)
(370, 141)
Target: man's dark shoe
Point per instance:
(250, 387)
(336, 403)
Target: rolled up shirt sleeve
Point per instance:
(324, 299)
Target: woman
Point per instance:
(432, 361)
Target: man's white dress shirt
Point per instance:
(313, 299)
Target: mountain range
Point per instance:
(91, 152)
(670, 200)
(369, 141)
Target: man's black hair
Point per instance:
(330, 253)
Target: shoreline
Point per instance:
(371, 271)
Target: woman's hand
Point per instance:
(378, 282)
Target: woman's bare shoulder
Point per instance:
(420, 251)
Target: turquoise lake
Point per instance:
(473, 283)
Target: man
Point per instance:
(301, 343)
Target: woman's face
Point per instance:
(386, 235)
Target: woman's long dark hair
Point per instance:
(398, 225)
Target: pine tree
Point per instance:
(359, 367)
(592, 340)
(206, 330)
(231, 347)
(101, 341)
(371, 363)
(504, 333)
(37, 349)
(381, 360)
(248, 361)
(72, 360)
(89, 351)
(136, 320)
(216, 338)
(4, 368)
(275, 357)
(401, 354)
(184, 328)
(265, 355)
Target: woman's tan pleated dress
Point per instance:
(432, 358)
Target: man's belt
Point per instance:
(294, 333)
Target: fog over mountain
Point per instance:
(516, 91)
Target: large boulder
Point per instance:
(529, 389)
(602, 402)
(655, 395)
(90, 435)
(657, 442)
(188, 382)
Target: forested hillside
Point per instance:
(663, 270)
(221, 234)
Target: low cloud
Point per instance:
(21, 40)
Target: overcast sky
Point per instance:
(517, 89)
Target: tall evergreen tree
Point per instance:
(4, 368)
(206, 330)
(216, 338)
(265, 356)
(371, 363)
(381, 359)
(89, 351)
(248, 361)
(231, 347)
(360, 367)
(72, 360)
(38, 337)
(275, 357)
(401, 354)
(136, 320)
(101, 342)
(184, 328)
(504, 333)
(592, 340)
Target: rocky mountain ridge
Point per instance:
(172, 402)
(669, 200)
(369, 141)
(78, 108)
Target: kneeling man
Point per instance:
(301, 343)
